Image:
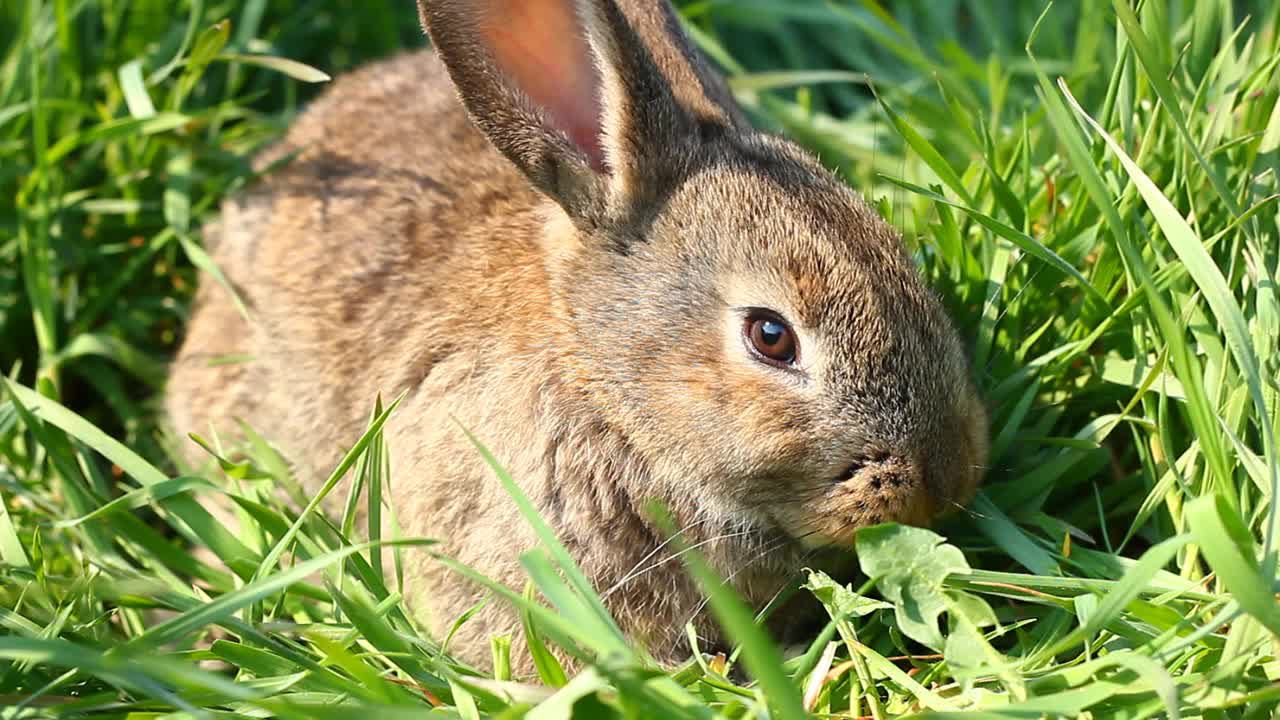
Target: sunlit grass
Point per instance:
(1091, 188)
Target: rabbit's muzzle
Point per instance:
(908, 488)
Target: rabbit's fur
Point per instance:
(564, 266)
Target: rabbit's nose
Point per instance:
(892, 487)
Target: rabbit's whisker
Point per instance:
(639, 571)
(771, 548)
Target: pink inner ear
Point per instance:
(541, 46)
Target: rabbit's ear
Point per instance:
(564, 88)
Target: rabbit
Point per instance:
(558, 228)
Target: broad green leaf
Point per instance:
(909, 566)
(840, 600)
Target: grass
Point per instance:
(1091, 187)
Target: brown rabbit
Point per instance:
(589, 258)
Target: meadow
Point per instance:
(1090, 185)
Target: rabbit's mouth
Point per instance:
(874, 488)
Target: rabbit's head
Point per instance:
(758, 333)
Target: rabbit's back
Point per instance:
(387, 239)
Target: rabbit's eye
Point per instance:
(770, 337)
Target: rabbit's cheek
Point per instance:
(978, 447)
(959, 459)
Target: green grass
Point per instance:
(1091, 188)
